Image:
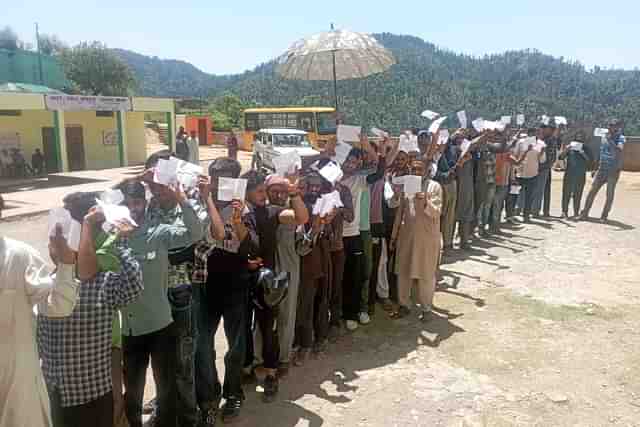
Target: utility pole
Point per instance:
(39, 55)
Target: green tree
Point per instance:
(9, 39)
(52, 45)
(95, 70)
(231, 106)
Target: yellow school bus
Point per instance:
(318, 122)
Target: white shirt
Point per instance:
(25, 281)
(357, 184)
(530, 165)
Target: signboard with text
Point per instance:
(83, 103)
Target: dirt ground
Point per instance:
(539, 327)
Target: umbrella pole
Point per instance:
(335, 80)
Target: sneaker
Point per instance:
(565, 215)
(208, 417)
(231, 409)
(387, 304)
(270, 389)
(364, 318)
(352, 325)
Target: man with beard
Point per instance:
(220, 286)
(269, 218)
(164, 209)
(312, 318)
(280, 192)
(147, 322)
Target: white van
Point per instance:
(270, 143)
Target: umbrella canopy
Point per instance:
(335, 55)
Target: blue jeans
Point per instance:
(538, 192)
(185, 328)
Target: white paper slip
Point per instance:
(342, 152)
(327, 203)
(464, 147)
(112, 197)
(561, 120)
(71, 229)
(388, 191)
(520, 119)
(576, 146)
(489, 125)
(230, 189)
(398, 180)
(462, 118)
(506, 120)
(478, 124)
(166, 171)
(287, 163)
(515, 189)
(379, 133)
(408, 145)
(443, 136)
(114, 214)
(188, 174)
(412, 185)
(347, 133)
(601, 132)
(332, 172)
(436, 125)
(431, 115)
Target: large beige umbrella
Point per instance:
(334, 55)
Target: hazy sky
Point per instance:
(241, 34)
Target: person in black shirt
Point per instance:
(220, 290)
(268, 219)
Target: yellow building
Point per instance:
(80, 132)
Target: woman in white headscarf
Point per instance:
(25, 282)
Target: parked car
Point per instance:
(270, 143)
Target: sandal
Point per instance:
(401, 313)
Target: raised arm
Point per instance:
(125, 286)
(298, 214)
(179, 236)
(55, 295)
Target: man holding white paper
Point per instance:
(269, 219)
(609, 168)
(165, 209)
(578, 156)
(25, 282)
(221, 286)
(148, 329)
(528, 160)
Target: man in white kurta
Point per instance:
(194, 149)
(25, 282)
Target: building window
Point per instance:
(10, 113)
(104, 113)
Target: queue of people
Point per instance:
(286, 272)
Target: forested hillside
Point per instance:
(528, 81)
